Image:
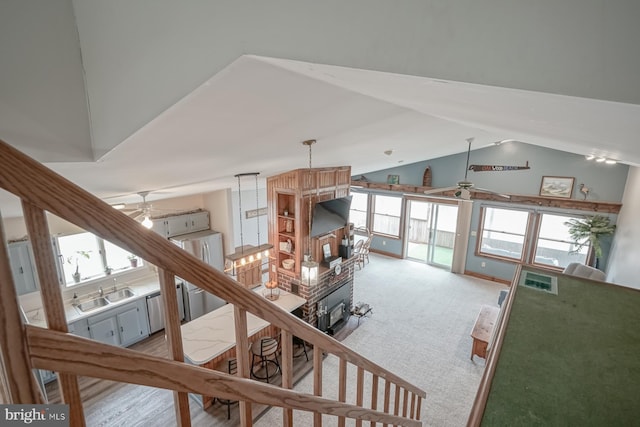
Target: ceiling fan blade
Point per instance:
(483, 190)
(440, 190)
(135, 214)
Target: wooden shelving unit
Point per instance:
(288, 196)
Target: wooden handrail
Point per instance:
(480, 401)
(38, 186)
(72, 354)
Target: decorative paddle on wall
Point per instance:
(497, 168)
(464, 187)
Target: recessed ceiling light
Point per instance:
(590, 157)
(610, 162)
(600, 159)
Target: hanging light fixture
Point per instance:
(248, 254)
(146, 210)
(309, 268)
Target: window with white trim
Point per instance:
(503, 233)
(359, 209)
(554, 246)
(387, 211)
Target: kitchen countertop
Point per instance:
(211, 335)
(141, 287)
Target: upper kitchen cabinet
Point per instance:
(23, 270)
(290, 195)
(176, 225)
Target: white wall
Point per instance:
(218, 203)
(623, 266)
(142, 56)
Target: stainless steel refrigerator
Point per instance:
(207, 247)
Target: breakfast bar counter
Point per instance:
(209, 338)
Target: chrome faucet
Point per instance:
(115, 284)
(101, 291)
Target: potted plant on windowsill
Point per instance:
(133, 260)
(75, 260)
(590, 231)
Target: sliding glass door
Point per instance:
(431, 232)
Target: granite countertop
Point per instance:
(141, 287)
(210, 335)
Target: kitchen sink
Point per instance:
(119, 295)
(92, 304)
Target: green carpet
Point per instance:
(571, 359)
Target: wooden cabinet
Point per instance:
(122, 326)
(176, 225)
(290, 196)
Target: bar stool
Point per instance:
(232, 369)
(300, 341)
(263, 349)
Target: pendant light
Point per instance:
(309, 268)
(248, 254)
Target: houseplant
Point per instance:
(133, 260)
(75, 260)
(589, 231)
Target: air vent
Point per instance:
(538, 281)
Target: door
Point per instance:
(130, 326)
(432, 232)
(105, 331)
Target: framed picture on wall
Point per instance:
(393, 179)
(557, 186)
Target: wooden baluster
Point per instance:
(396, 401)
(359, 391)
(405, 402)
(242, 356)
(287, 372)
(342, 387)
(387, 398)
(418, 407)
(412, 414)
(317, 381)
(15, 353)
(174, 341)
(38, 230)
(374, 395)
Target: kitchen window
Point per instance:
(84, 256)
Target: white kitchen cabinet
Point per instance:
(25, 278)
(104, 330)
(80, 328)
(181, 224)
(177, 225)
(198, 221)
(121, 326)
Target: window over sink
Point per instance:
(85, 256)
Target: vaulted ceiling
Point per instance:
(177, 97)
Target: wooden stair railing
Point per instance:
(26, 347)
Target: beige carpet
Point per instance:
(419, 329)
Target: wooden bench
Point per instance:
(483, 330)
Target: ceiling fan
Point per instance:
(143, 210)
(463, 188)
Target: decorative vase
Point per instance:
(76, 276)
(134, 262)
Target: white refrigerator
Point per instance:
(207, 247)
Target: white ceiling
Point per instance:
(253, 115)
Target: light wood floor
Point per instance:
(107, 403)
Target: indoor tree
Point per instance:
(589, 231)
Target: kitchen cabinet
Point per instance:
(121, 326)
(80, 328)
(181, 224)
(22, 264)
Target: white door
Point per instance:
(130, 326)
(105, 331)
